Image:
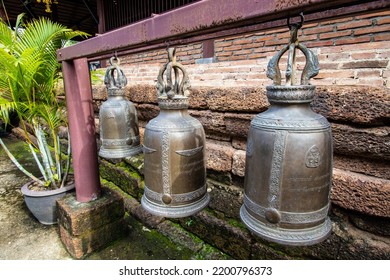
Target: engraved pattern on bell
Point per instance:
(119, 133)
(174, 153)
(289, 162)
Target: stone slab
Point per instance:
(219, 157)
(362, 193)
(356, 104)
(372, 142)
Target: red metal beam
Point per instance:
(82, 129)
(210, 19)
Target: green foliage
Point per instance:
(29, 76)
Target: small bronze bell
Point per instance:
(174, 149)
(119, 133)
(289, 159)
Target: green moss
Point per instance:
(143, 244)
(137, 162)
(122, 175)
(209, 252)
(237, 224)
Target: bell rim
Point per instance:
(180, 211)
(123, 153)
(298, 237)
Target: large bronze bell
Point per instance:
(289, 159)
(119, 133)
(174, 149)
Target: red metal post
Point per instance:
(82, 129)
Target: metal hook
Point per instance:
(167, 45)
(296, 25)
(114, 60)
(172, 55)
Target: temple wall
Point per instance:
(352, 93)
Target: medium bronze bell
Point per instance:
(174, 149)
(119, 133)
(289, 159)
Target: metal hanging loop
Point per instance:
(311, 68)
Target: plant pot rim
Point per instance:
(26, 191)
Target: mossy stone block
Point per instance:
(80, 217)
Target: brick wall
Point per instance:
(351, 51)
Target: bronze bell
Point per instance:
(289, 158)
(174, 150)
(119, 133)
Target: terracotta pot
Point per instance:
(42, 204)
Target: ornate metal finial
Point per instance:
(168, 88)
(311, 68)
(109, 80)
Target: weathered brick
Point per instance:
(368, 73)
(238, 167)
(321, 43)
(354, 24)
(363, 142)
(237, 99)
(382, 37)
(335, 34)
(179, 236)
(126, 178)
(151, 221)
(238, 124)
(219, 157)
(361, 193)
(232, 240)
(378, 63)
(363, 55)
(238, 57)
(142, 93)
(239, 143)
(99, 92)
(375, 82)
(243, 41)
(78, 218)
(372, 29)
(318, 30)
(213, 122)
(81, 246)
(198, 98)
(371, 167)
(146, 112)
(374, 14)
(353, 40)
(384, 20)
(227, 199)
(355, 104)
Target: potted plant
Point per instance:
(29, 77)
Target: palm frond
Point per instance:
(29, 73)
